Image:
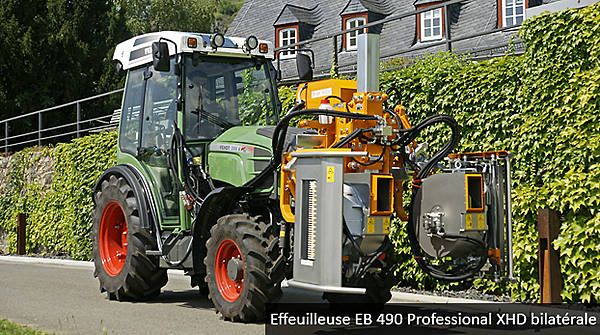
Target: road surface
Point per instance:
(65, 299)
(62, 297)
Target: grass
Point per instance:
(10, 328)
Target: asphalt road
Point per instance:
(65, 299)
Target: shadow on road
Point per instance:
(188, 298)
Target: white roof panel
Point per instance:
(137, 51)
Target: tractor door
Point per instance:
(158, 122)
(152, 93)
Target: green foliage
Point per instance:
(154, 15)
(544, 107)
(52, 52)
(59, 214)
(11, 328)
(254, 99)
(333, 71)
(55, 51)
(287, 97)
(393, 64)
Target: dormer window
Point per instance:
(511, 12)
(358, 13)
(351, 38)
(293, 25)
(430, 24)
(287, 36)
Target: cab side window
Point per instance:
(130, 116)
(159, 108)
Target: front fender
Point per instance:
(216, 204)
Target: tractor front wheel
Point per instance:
(120, 242)
(239, 267)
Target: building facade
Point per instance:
(286, 22)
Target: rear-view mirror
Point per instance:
(160, 56)
(304, 65)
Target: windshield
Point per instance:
(225, 92)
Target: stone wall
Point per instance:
(4, 163)
(39, 172)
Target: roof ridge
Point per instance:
(243, 15)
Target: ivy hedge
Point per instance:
(58, 210)
(543, 106)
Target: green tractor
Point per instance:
(193, 103)
(211, 181)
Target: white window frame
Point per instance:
(353, 36)
(511, 20)
(288, 40)
(434, 14)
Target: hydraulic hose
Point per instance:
(405, 139)
(280, 132)
(356, 133)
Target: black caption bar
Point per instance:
(492, 318)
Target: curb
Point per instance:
(48, 261)
(405, 297)
(63, 262)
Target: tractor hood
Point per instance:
(254, 136)
(241, 153)
(245, 136)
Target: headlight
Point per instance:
(251, 43)
(217, 40)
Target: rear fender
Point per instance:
(138, 183)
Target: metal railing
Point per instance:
(447, 40)
(82, 124)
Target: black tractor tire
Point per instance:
(258, 281)
(135, 276)
(378, 284)
(378, 291)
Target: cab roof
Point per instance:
(137, 51)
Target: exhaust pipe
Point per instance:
(367, 76)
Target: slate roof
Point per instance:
(424, 2)
(361, 6)
(258, 17)
(296, 14)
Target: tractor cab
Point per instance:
(212, 93)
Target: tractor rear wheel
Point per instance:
(120, 242)
(239, 262)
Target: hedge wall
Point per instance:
(543, 106)
(59, 209)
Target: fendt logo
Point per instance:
(232, 148)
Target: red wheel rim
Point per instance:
(113, 238)
(230, 288)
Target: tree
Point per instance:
(56, 51)
(53, 52)
(145, 16)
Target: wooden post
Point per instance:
(21, 239)
(548, 259)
